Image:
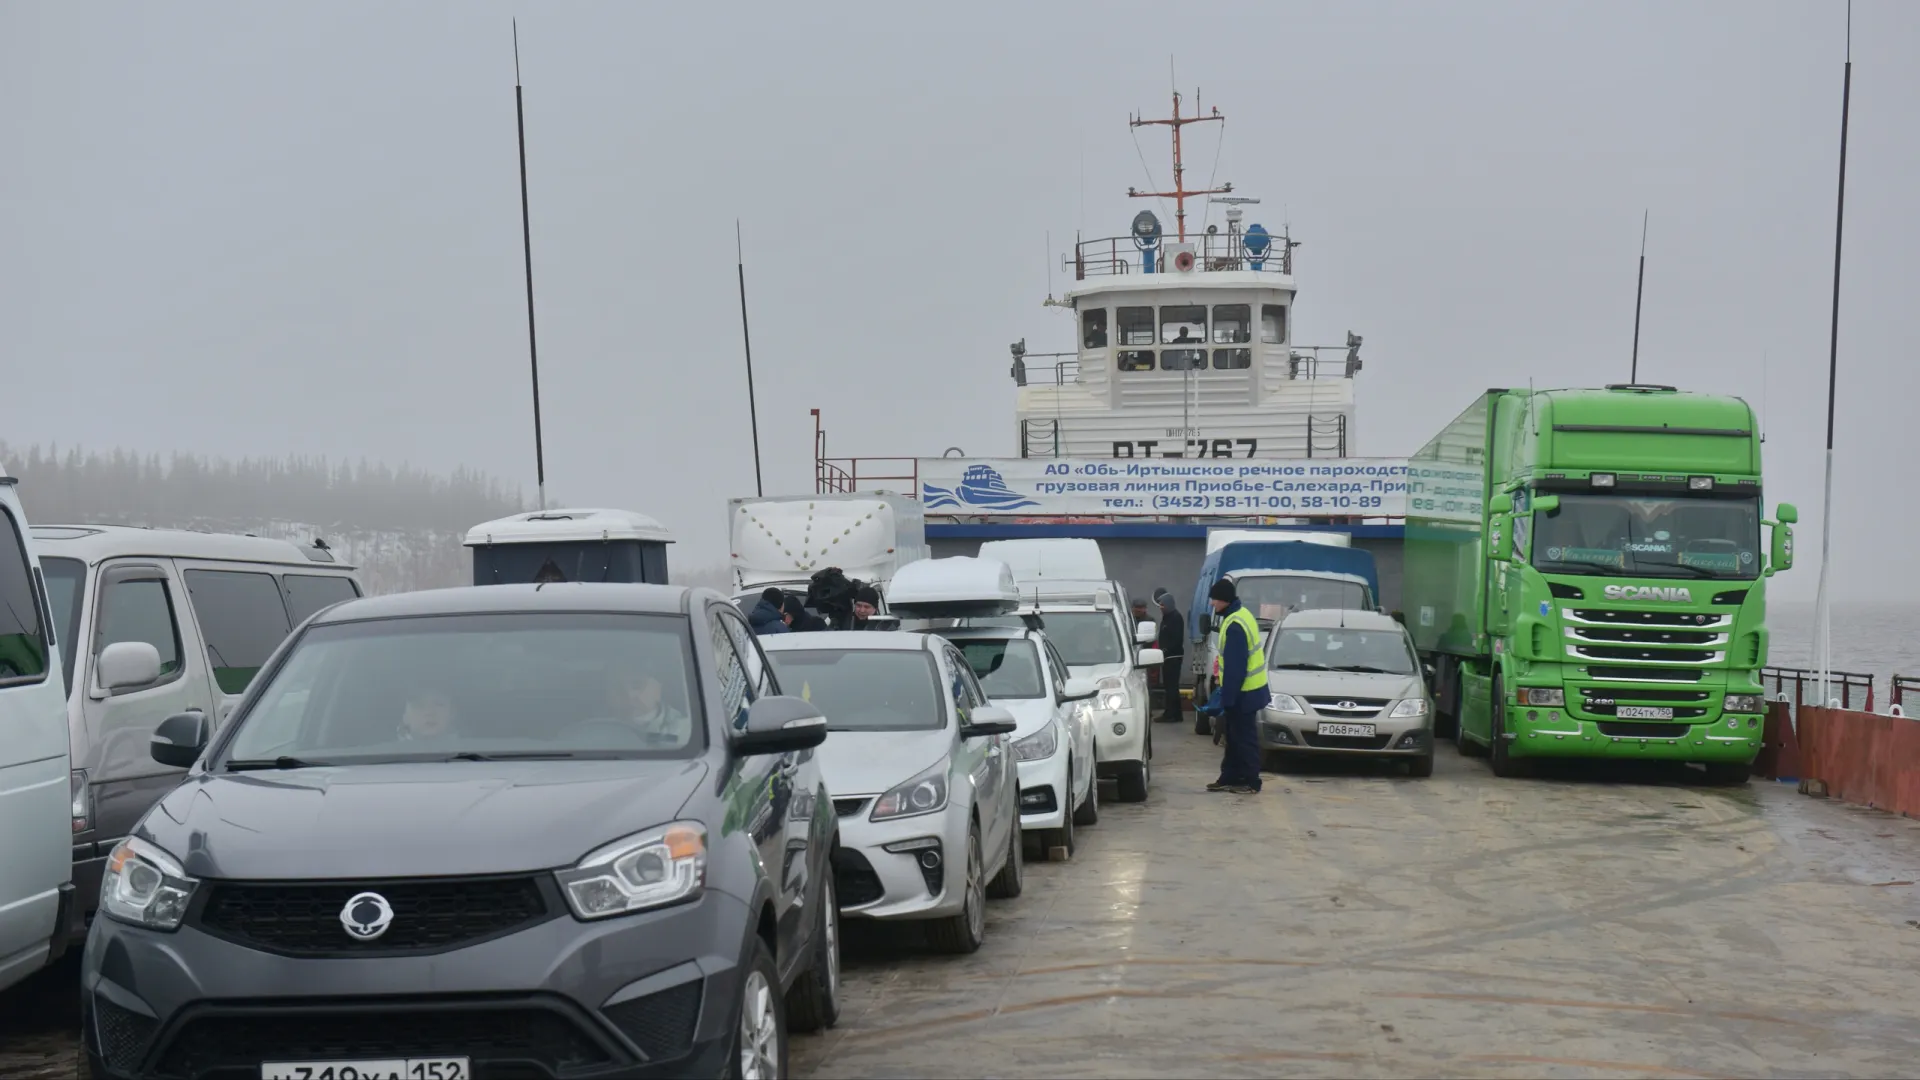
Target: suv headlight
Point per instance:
(1113, 694)
(1285, 703)
(1040, 744)
(1746, 703)
(661, 866)
(924, 794)
(1410, 707)
(1555, 698)
(145, 886)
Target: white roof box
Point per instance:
(568, 526)
(955, 588)
(1038, 558)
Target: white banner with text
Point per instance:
(1227, 487)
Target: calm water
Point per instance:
(1877, 639)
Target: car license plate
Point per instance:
(1643, 712)
(446, 1068)
(1349, 731)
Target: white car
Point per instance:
(1096, 637)
(1023, 672)
(922, 774)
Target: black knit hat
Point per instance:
(1223, 590)
(775, 597)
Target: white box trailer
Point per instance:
(784, 540)
(1220, 536)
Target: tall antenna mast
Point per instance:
(1180, 192)
(1639, 289)
(1822, 628)
(526, 244)
(746, 341)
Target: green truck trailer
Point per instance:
(1584, 576)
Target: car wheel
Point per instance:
(1504, 763)
(1133, 783)
(760, 1033)
(1012, 877)
(814, 1002)
(1088, 812)
(966, 931)
(1421, 766)
(1728, 773)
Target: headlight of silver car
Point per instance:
(1410, 707)
(1285, 703)
(1037, 746)
(145, 886)
(661, 866)
(924, 794)
(1113, 693)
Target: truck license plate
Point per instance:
(447, 1068)
(1643, 712)
(1346, 731)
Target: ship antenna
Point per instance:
(746, 342)
(1180, 193)
(526, 244)
(1823, 640)
(1638, 289)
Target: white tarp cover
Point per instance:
(957, 587)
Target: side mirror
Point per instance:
(1500, 504)
(1780, 553)
(179, 739)
(1500, 544)
(1150, 658)
(1788, 514)
(1147, 633)
(988, 720)
(780, 725)
(126, 666)
(1079, 690)
(1545, 504)
(1428, 671)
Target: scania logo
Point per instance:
(366, 916)
(1673, 595)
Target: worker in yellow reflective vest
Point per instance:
(1242, 683)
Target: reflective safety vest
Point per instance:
(1256, 657)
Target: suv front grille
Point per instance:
(227, 1039)
(660, 1024)
(301, 918)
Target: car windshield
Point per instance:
(1005, 668)
(865, 689)
(1271, 599)
(1085, 638)
(1341, 649)
(1638, 536)
(477, 686)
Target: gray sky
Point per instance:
(251, 229)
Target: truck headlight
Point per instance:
(646, 870)
(1547, 699)
(1285, 703)
(1040, 744)
(1410, 707)
(145, 886)
(1746, 703)
(924, 794)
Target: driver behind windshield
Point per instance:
(427, 714)
(638, 698)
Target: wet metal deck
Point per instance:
(1351, 923)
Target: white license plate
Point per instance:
(1643, 712)
(446, 1068)
(1349, 731)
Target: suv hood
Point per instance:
(872, 762)
(1346, 684)
(413, 820)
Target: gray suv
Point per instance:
(509, 830)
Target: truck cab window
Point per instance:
(1232, 324)
(1273, 324)
(1093, 328)
(1183, 324)
(1136, 325)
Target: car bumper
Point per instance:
(1044, 788)
(871, 882)
(1553, 733)
(1410, 736)
(1120, 735)
(639, 995)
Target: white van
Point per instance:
(35, 866)
(172, 622)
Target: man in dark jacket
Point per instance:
(1242, 691)
(1173, 642)
(769, 616)
(802, 621)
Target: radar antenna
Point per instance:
(1180, 192)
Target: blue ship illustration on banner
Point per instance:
(982, 485)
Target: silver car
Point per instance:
(1346, 682)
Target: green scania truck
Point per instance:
(1584, 576)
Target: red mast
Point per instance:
(1179, 193)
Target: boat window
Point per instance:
(1135, 360)
(1136, 325)
(1232, 324)
(1273, 323)
(1232, 359)
(1093, 328)
(1183, 359)
(1182, 324)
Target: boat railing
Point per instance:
(1801, 686)
(1315, 436)
(1300, 365)
(1903, 688)
(1114, 255)
(846, 475)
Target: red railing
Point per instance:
(1805, 686)
(1902, 686)
(843, 476)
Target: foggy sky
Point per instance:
(250, 229)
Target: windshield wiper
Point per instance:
(1696, 571)
(514, 755)
(1368, 668)
(1302, 667)
(281, 762)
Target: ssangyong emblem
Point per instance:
(366, 916)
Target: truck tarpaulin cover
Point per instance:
(1274, 555)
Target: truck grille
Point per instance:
(1612, 617)
(1628, 673)
(1646, 635)
(1631, 653)
(1636, 729)
(1686, 704)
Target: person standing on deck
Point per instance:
(1173, 643)
(1242, 689)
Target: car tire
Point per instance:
(1012, 878)
(1504, 763)
(760, 1025)
(1728, 773)
(1088, 812)
(966, 931)
(1133, 782)
(1422, 766)
(813, 1004)
(96, 1070)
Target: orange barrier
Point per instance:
(1863, 758)
(1779, 757)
